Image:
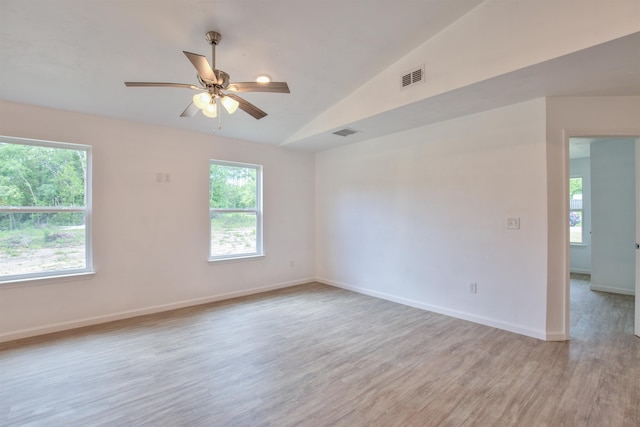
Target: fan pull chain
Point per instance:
(218, 105)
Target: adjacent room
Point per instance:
(249, 213)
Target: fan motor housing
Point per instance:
(223, 80)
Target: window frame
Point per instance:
(259, 250)
(87, 209)
(581, 211)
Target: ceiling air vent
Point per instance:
(345, 132)
(412, 77)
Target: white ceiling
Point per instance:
(75, 55)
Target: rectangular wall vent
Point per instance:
(411, 78)
(345, 132)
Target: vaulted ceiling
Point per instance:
(75, 55)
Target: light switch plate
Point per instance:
(513, 223)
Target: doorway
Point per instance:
(604, 220)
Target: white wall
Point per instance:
(581, 253)
(566, 117)
(150, 239)
(412, 217)
(614, 216)
(416, 216)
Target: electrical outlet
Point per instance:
(473, 288)
(163, 177)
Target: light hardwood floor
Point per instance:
(314, 355)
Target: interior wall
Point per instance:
(150, 240)
(567, 117)
(580, 254)
(614, 216)
(417, 216)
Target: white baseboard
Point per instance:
(74, 324)
(612, 290)
(509, 327)
(557, 336)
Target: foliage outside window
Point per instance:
(235, 203)
(45, 209)
(575, 210)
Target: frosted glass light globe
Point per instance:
(202, 99)
(230, 104)
(210, 110)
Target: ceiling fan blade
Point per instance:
(151, 84)
(203, 67)
(248, 107)
(190, 111)
(277, 87)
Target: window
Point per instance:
(575, 210)
(235, 202)
(45, 209)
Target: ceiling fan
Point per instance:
(214, 84)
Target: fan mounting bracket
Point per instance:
(213, 37)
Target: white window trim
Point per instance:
(581, 242)
(88, 269)
(259, 253)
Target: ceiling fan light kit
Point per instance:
(214, 83)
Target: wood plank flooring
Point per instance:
(314, 355)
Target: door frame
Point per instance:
(568, 134)
(637, 305)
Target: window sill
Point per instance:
(44, 280)
(236, 259)
(578, 244)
